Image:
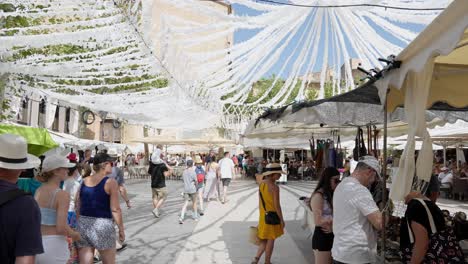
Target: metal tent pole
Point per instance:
(445, 153)
(384, 173)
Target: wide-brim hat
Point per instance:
(56, 161)
(14, 153)
(198, 160)
(273, 168)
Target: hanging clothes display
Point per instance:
(312, 147)
(320, 153)
(326, 155)
(331, 154)
(339, 154)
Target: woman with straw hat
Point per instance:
(271, 221)
(53, 204)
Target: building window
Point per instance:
(67, 120)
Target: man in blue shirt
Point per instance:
(20, 218)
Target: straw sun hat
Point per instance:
(273, 168)
(14, 153)
(198, 160)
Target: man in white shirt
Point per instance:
(445, 176)
(226, 169)
(356, 216)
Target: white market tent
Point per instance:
(68, 141)
(434, 69)
(418, 146)
(185, 141)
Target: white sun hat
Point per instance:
(14, 153)
(53, 162)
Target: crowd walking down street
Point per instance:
(80, 219)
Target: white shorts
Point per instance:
(55, 250)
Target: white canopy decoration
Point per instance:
(126, 58)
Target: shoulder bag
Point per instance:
(271, 217)
(360, 147)
(443, 245)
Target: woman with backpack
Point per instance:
(201, 173)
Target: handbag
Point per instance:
(360, 147)
(271, 217)
(443, 245)
(253, 235)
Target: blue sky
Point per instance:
(242, 35)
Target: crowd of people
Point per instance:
(201, 176)
(348, 218)
(74, 214)
(66, 213)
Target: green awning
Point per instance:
(39, 139)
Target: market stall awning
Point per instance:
(360, 106)
(444, 44)
(39, 139)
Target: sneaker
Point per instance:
(181, 221)
(202, 213)
(156, 212)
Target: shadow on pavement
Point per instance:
(241, 251)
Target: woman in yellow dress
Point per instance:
(269, 191)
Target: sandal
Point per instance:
(255, 261)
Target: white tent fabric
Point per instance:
(424, 68)
(418, 146)
(70, 141)
(453, 131)
(460, 156)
